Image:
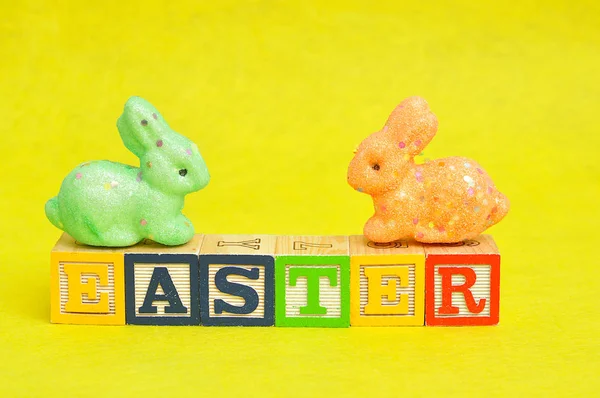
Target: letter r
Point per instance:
(448, 288)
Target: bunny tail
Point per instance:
(503, 206)
(52, 212)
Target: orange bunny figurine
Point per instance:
(442, 201)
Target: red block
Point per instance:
(462, 283)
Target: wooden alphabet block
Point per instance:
(237, 280)
(312, 276)
(387, 283)
(162, 283)
(87, 284)
(463, 283)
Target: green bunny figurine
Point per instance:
(103, 203)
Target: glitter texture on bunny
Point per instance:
(104, 203)
(441, 201)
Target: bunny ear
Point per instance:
(411, 125)
(140, 125)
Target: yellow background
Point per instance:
(277, 95)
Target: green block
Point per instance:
(312, 291)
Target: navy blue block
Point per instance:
(189, 315)
(230, 266)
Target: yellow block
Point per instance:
(87, 284)
(387, 283)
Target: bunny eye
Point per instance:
(183, 172)
(376, 167)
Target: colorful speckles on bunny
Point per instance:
(105, 204)
(441, 192)
(419, 176)
(188, 151)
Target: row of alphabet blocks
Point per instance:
(264, 280)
